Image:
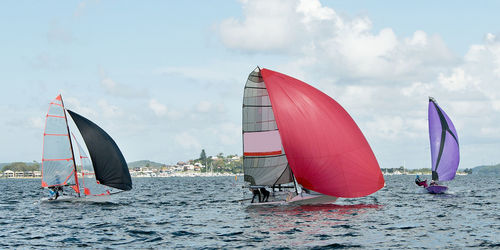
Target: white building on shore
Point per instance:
(8, 174)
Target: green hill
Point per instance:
(20, 166)
(487, 170)
(144, 163)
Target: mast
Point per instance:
(71, 147)
(294, 183)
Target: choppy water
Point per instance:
(201, 212)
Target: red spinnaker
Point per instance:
(324, 147)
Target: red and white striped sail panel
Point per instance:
(264, 160)
(57, 158)
(326, 150)
(87, 175)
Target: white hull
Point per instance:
(68, 198)
(313, 199)
(302, 199)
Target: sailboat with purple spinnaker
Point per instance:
(445, 151)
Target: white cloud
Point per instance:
(109, 110)
(458, 80)
(263, 28)
(37, 122)
(417, 89)
(74, 104)
(229, 133)
(158, 108)
(161, 110)
(346, 47)
(204, 106)
(196, 73)
(187, 141)
(381, 78)
(121, 90)
(313, 10)
(210, 107)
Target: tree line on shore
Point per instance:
(402, 169)
(22, 166)
(220, 163)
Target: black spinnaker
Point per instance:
(109, 164)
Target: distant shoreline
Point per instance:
(202, 175)
(144, 176)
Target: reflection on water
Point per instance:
(313, 222)
(205, 212)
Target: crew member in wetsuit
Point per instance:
(255, 192)
(265, 194)
(420, 182)
(54, 191)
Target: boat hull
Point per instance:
(436, 189)
(312, 199)
(69, 198)
(302, 199)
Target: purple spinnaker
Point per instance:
(445, 152)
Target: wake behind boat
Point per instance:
(295, 137)
(107, 174)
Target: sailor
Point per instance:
(420, 182)
(265, 194)
(433, 183)
(255, 192)
(54, 192)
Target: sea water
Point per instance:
(206, 212)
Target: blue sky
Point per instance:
(165, 78)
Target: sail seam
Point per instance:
(56, 116)
(57, 159)
(256, 106)
(254, 87)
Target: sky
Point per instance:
(165, 78)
